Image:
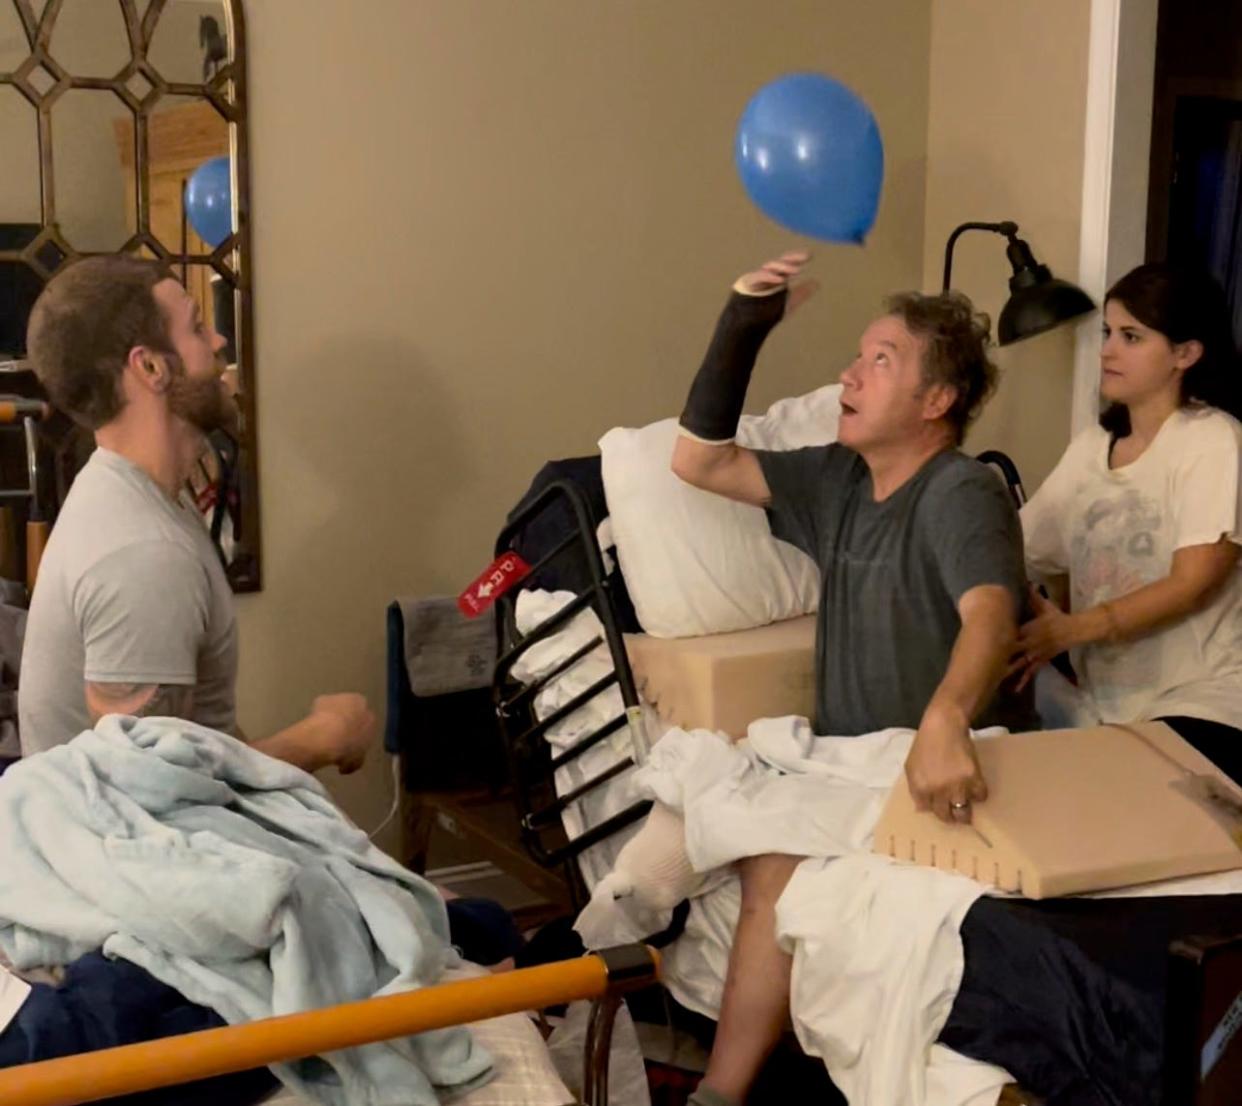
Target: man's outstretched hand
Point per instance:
(780, 273)
(346, 726)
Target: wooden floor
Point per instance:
(476, 827)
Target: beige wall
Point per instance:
(1007, 101)
(484, 234)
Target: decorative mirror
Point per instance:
(124, 130)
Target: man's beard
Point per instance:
(204, 404)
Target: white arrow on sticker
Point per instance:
(485, 589)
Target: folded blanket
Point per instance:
(444, 650)
(232, 878)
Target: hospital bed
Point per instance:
(568, 782)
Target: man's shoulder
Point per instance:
(953, 473)
(960, 488)
(810, 465)
(88, 547)
(106, 512)
(834, 459)
(827, 452)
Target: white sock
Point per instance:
(655, 863)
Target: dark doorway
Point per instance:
(1195, 190)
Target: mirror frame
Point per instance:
(49, 250)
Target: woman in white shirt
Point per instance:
(1138, 526)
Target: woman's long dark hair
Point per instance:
(1183, 305)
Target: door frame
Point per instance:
(1121, 68)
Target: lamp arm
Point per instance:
(1008, 229)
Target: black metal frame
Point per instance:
(532, 763)
(1008, 470)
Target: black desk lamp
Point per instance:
(1038, 301)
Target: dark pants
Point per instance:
(104, 1003)
(1221, 744)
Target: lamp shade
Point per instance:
(1038, 301)
(1033, 310)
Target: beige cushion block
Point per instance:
(725, 681)
(1071, 811)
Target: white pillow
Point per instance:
(695, 562)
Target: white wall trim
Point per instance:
(1097, 173)
(1121, 61)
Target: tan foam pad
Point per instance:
(726, 681)
(1071, 811)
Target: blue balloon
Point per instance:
(809, 154)
(209, 201)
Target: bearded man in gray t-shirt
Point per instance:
(920, 553)
(132, 613)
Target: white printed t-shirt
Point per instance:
(1115, 530)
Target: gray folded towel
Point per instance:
(444, 650)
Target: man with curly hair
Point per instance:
(920, 552)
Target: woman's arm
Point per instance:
(1198, 571)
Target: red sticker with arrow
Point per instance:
(505, 571)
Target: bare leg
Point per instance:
(755, 1008)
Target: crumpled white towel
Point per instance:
(786, 787)
(877, 964)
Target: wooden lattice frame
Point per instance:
(227, 92)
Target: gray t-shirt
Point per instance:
(893, 573)
(130, 591)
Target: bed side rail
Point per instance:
(532, 762)
(89, 1077)
(1009, 472)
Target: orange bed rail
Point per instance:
(91, 1076)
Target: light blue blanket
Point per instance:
(233, 878)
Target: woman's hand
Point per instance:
(1050, 633)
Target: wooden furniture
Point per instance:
(1016, 1096)
(485, 822)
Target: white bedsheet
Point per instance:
(877, 954)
